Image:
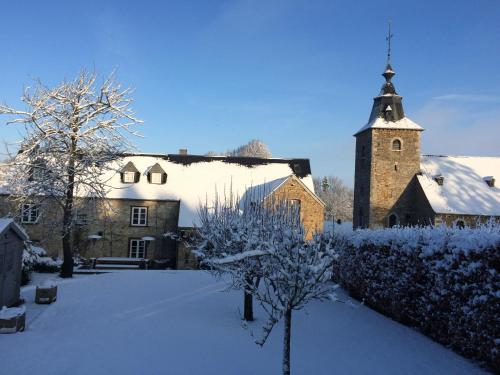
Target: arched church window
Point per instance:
(396, 145)
(460, 224)
(393, 220)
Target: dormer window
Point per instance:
(490, 181)
(156, 178)
(439, 179)
(38, 171)
(396, 145)
(388, 114)
(129, 177)
(130, 174)
(156, 175)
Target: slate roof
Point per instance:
(464, 190)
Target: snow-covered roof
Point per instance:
(381, 123)
(262, 191)
(193, 179)
(5, 223)
(464, 189)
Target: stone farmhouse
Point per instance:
(395, 185)
(152, 195)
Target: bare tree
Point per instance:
(71, 134)
(268, 240)
(254, 148)
(337, 196)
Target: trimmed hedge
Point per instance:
(443, 281)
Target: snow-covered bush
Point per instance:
(443, 281)
(35, 259)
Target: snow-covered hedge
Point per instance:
(443, 281)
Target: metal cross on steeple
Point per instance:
(388, 38)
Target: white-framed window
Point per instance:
(137, 248)
(156, 178)
(30, 213)
(129, 177)
(139, 216)
(81, 219)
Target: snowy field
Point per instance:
(184, 322)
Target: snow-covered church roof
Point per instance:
(382, 123)
(193, 179)
(465, 185)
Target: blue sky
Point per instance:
(300, 75)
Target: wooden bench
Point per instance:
(119, 263)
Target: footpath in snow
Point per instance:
(185, 322)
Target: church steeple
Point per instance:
(388, 105)
(388, 88)
(387, 160)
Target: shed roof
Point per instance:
(8, 223)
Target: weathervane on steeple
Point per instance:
(388, 38)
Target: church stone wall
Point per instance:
(469, 220)
(383, 180)
(362, 181)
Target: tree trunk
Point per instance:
(286, 342)
(67, 266)
(248, 300)
(248, 307)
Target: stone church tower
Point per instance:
(387, 161)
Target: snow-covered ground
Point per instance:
(184, 322)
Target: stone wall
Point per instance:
(311, 209)
(390, 174)
(361, 209)
(469, 220)
(111, 221)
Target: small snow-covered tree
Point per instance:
(254, 148)
(294, 272)
(229, 230)
(72, 132)
(337, 196)
(268, 240)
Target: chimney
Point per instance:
(183, 151)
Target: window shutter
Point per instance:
(137, 177)
(164, 178)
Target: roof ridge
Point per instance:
(459, 156)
